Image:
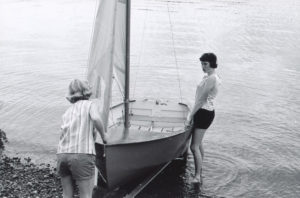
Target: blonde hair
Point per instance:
(79, 90)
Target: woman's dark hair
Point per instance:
(211, 58)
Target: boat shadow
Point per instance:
(172, 182)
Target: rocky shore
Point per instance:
(19, 177)
(25, 179)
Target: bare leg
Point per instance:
(86, 187)
(67, 185)
(202, 151)
(197, 150)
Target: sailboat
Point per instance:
(142, 134)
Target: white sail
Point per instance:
(120, 44)
(108, 51)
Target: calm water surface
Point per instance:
(252, 149)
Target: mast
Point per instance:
(127, 71)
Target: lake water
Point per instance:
(252, 148)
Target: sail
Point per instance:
(108, 52)
(120, 44)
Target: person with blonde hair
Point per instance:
(76, 147)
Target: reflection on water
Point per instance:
(251, 148)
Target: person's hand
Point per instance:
(188, 123)
(189, 120)
(104, 138)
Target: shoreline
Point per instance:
(28, 172)
(37, 156)
(22, 178)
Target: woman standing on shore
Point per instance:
(76, 148)
(203, 113)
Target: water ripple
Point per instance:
(221, 173)
(255, 135)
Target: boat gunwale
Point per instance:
(131, 101)
(141, 142)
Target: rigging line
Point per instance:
(122, 93)
(91, 36)
(114, 78)
(174, 51)
(140, 54)
(112, 117)
(119, 86)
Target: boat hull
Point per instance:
(123, 163)
(157, 135)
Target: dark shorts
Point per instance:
(80, 166)
(203, 118)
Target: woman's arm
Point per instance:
(95, 116)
